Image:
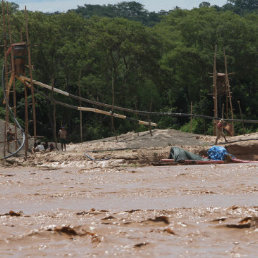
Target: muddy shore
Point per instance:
(64, 204)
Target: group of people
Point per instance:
(62, 134)
(41, 146)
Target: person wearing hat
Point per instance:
(62, 135)
(219, 131)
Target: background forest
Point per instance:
(142, 60)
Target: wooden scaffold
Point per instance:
(222, 92)
(17, 58)
(17, 63)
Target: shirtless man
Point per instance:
(219, 131)
(62, 135)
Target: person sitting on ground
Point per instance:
(39, 147)
(51, 147)
(46, 145)
(219, 131)
(62, 135)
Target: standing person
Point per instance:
(62, 135)
(9, 137)
(219, 131)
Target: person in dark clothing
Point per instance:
(62, 136)
(46, 145)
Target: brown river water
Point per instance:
(168, 211)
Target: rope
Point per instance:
(86, 109)
(145, 113)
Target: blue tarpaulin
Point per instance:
(217, 153)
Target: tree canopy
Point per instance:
(124, 55)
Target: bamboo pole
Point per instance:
(149, 119)
(15, 114)
(95, 110)
(6, 76)
(26, 121)
(222, 115)
(43, 85)
(215, 93)
(191, 117)
(13, 76)
(228, 89)
(31, 81)
(241, 114)
(113, 102)
(80, 102)
(54, 112)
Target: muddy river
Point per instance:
(167, 211)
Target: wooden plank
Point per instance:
(147, 123)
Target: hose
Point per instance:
(15, 120)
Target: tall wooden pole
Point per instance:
(31, 83)
(26, 121)
(228, 90)
(13, 74)
(150, 120)
(79, 88)
(54, 112)
(215, 92)
(6, 76)
(191, 117)
(113, 101)
(241, 114)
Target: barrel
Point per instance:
(19, 54)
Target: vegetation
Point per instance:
(125, 55)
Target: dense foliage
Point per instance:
(125, 55)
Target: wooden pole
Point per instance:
(241, 114)
(31, 83)
(6, 77)
(26, 121)
(191, 116)
(113, 102)
(79, 89)
(150, 120)
(228, 90)
(215, 93)
(13, 75)
(54, 112)
(138, 133)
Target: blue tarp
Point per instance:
(217, 153)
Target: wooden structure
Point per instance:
(222, 92)
(17, 63)
(17, 60)
(85, 109)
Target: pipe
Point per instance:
(15, 121)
